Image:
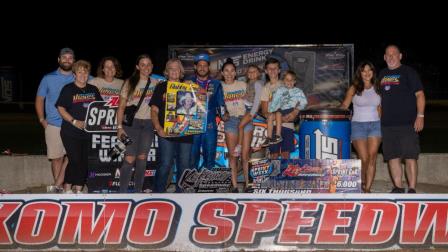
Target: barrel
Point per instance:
(324, 134)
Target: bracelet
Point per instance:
(41, 120)
(420, 115)
(119, 127)
(74, 122)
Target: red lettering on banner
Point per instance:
(114, 101)
(151, 222)
(330, 220)
(7, 209)
(38, 222)
(215, 227)
(293, 220)
(416, 224)
(258, 217)
(79, 222)
(385, 214)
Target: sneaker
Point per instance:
(411, 190)
(276, 139)
(249, 189)
(59, 189)
(54, 189)
(397, 190)
(51, 189)
(237, 151)
(266, 142)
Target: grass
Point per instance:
(22, 133)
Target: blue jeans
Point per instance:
(207, 141)
(171, 150)
(364, 130)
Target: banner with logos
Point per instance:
(104, 166)
(323, 71)
(223, 222)
(305, 175)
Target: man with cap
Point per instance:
(46, 97)
(207, 140)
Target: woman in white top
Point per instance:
(234, 97)
(141, 132)
(366, 126)
(107, 80)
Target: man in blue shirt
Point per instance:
(46, 97)
(207, 140)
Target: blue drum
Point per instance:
(324, 134)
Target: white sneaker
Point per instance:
(51, 189)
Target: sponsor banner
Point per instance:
(305, 176)
(104, 170)
(185, 112)
(259, 135)
(100, 163)
(218, 222)
(217, 180)
(102, 116)
(323, 71)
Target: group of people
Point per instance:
(387, 108)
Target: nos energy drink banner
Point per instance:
(323, 71)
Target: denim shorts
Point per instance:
(231, 126)
(364, 130)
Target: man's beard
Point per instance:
(203, 75)
(66, 66)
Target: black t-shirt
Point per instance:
(76, 101)
(158, 99)
(398, 101)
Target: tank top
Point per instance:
(365, 106)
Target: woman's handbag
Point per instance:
(129, 114)
(130, 111)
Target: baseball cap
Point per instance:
(202, 56)
(66, 50)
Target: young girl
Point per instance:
(234, 94)
(254, 88)
(284, 100)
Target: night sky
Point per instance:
(32, 48)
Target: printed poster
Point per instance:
(186, 109)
